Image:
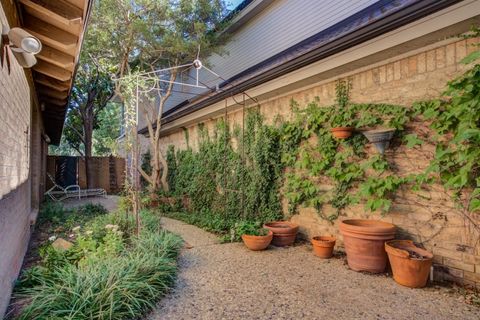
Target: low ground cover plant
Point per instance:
(107, 273)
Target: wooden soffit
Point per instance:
(60, 25)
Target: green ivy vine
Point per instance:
(343, 164)
(227, 183)
(301, 160)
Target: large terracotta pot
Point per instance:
(323, 246)
(410, 264)
(284, 232)
(364, 242)
(257, 243)
(341, 132)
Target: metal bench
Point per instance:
(58, 193)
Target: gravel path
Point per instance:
(227, 281)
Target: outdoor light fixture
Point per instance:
(46, 138)
(24, 41)
(23, 45)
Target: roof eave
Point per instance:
(237, 85)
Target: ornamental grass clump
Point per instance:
(115, 277)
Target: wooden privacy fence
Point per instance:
(109, 172)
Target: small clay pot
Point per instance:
(410, 264)
(341, 132)
(284, 232)
(323, 246)
(364, 242)
(257, 243)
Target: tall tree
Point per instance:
(92, 90)
(144, 35)
(106, 134)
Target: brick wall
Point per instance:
(434, 222)
(15, 186)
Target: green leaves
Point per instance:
(412, 140)
(378, 192)
(472, 57)
(319, 170)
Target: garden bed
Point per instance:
(102, 271)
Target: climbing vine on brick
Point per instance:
(325, 162)
(300, 159)
(230, 184)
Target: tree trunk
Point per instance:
(88, 134)
(88, 160)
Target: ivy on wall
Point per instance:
(227, 183)
(343, 164)
(301, 158)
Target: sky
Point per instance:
(232, 4)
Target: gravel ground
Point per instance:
(227, 281)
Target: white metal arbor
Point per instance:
(155, 82)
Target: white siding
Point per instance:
(281, 25)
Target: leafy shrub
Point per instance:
(52, 212)
(106, 274)
(250, 228)
(53, 216)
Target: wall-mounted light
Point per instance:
(46, 138)
(23, 45)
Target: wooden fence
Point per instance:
(109, 172)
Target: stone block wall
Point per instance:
(432, 220)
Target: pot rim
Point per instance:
(324, 238)
(379, 130)
(250, 236)
(323, 241)
(367, 227)
(334, 129)
(278, 224)
(402, 253)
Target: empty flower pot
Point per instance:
(323, 246)
(380, 138)
(410, 264)
(284, 232)
(257, 243)
(364, 242)
(341, 132)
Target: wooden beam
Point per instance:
(56, 102)
(46, 91)
(52, 71)
(58, 13)
(77, 3)
(51, 35)
(57, 58)
(47, 81)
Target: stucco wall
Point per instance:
(432, 222)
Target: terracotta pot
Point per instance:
(341, 132)
(410, 264)
(323, 246)
(364, 243)
(284, 232)
(257, 243)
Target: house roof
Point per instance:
(377, 19)
(60, 26)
